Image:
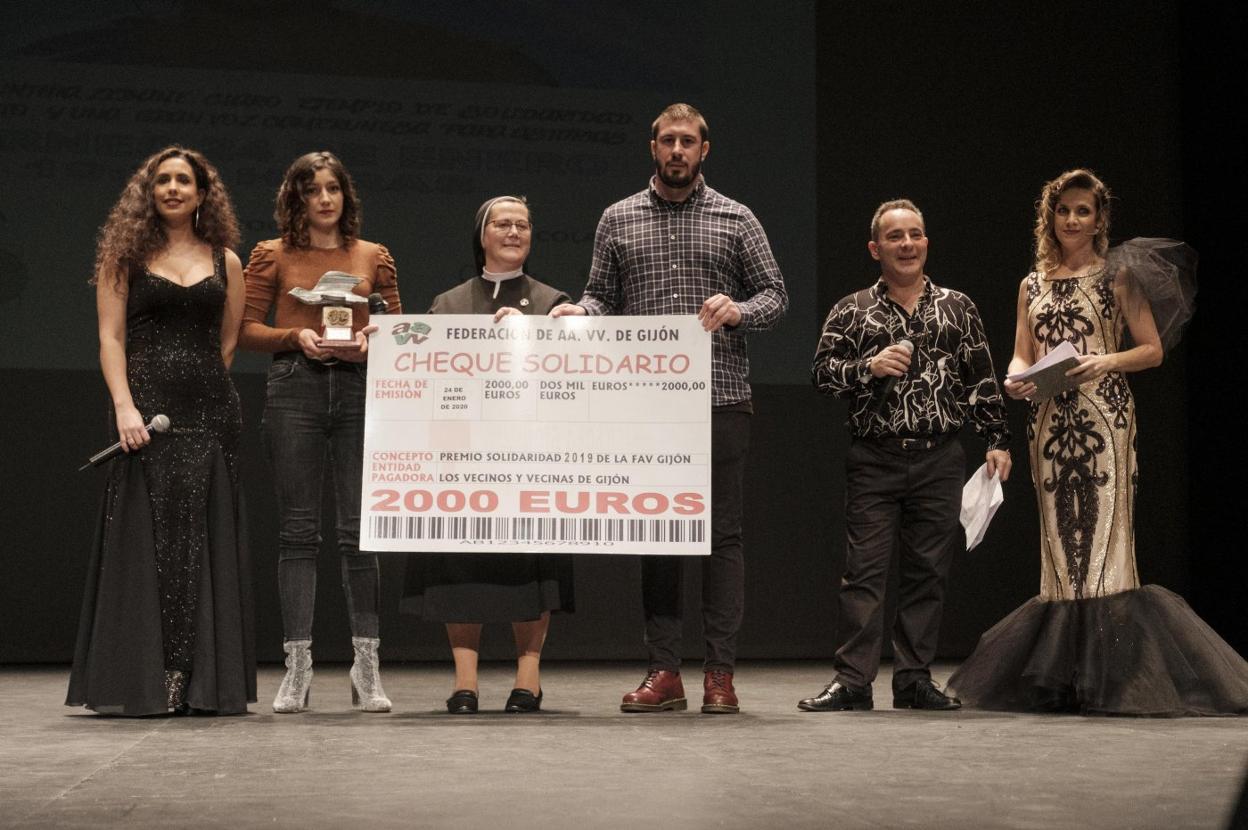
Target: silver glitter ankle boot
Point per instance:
(296, 689)
(366, 692)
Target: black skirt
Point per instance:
(120, 661)
(487, 587)
(1138, 652)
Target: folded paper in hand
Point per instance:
(981, 497)
(1049, 372)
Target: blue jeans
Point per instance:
(314, 414)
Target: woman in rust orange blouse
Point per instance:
(314, 411)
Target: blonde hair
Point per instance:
(1048, 250)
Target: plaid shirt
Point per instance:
(950, 381)
(652, 256)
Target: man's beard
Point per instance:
(682, 180)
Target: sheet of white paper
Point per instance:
(1063, 351)
(981, 497)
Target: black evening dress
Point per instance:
(167, 612)
(485, 587)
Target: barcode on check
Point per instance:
(535, 529)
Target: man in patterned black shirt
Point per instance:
(679, 247)
(905, 467)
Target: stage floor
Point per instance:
(583, 764)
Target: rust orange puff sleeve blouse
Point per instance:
(274, 268)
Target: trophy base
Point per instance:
(340, 337)
(339, 345)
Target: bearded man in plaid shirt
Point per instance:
(679, 247)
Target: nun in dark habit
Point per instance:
(465, 591)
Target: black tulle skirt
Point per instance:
(1139, 652)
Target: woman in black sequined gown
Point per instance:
(166, 623)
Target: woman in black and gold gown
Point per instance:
(1094, 640)
(166, 622)
(466, 590)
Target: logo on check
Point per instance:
(415, 333)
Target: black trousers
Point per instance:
(911, 497)
(723, 572)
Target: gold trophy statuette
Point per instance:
(337, 331)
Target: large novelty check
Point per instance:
(568, 435)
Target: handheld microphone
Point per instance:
(890, 381)
(376, 304)
(160, 423)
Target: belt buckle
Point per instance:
(915, 443)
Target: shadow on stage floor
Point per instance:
(582, 763)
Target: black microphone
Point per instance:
(160, 423)
(376, 304)
(890, 381)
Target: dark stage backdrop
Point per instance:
(818, 112)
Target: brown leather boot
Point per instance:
(661, 691)
(718, 696)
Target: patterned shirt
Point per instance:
(652, 256)
(950, 380)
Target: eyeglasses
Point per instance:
(505, 226)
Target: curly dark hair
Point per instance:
(292, 211)
(133, 231)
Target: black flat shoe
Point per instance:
(462, 702)
(925, 695)
(522, 700)
(839, 698)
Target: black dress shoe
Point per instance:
(924, 695)
(462, 702)
(522, 700)
(838, 698)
